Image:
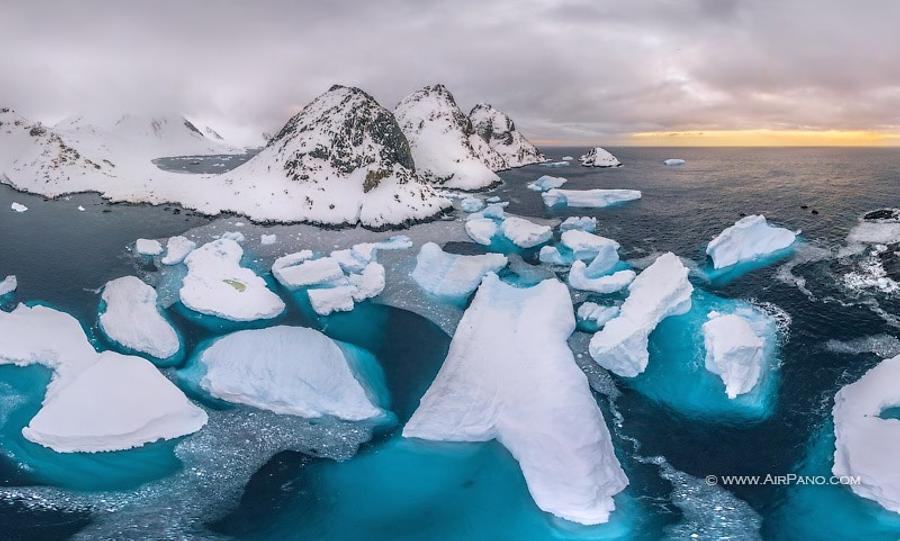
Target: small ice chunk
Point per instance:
(674, 161)
(555, 164)
(599, 157)
(749, 238)
(286, 370)
(267, 240)
(8, 285)
(369, 283)
(596, 315)
(660, 291)
(236, 236)
(452, 275)
(117, 403)
(525, 234)
(733, 351)
(306, 272)
(177, 248)
(132, 319)
(18, 207)
(495, 211)
(325, 300)
(567, 158)
(471, 204)
(482, 230)
(551, 256)
(597, 198)
(348, 261)
(584, 223)
(366, 251)
(80, 208)
(546, 182)
(493, 199)
(586, 245)
(579, 279)
(148, 247)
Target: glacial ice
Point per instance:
(580, 279)
(552, 256)
(674, 161)
(586, 245)
(510, 376)
(866, 444)
(749, 238)
(148, 247)
(217, 285)
(18, 207)
(546, 182)
(524, 233)
(131, 319)
(733, 351)
(298, 270)
(482, 230)
(8, 285)
(177, 248)
(659, 291)
(584, 223)
(118, 402)
(286, 370)
(592, 316)
(599, 157)
(451, 275)
(596, 198)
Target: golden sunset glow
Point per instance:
(838, 138)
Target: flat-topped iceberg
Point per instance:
(660, 291)
(592, 316)
(119, 402)
(552, 256)
(17, 207)
(510, 376)
(471, 204)
(584, 223)
(749, 238)
(734, 351)
(580, 278)
(597, 198)
(177, 248)
(8, 285)
(217, 285)
(148, 247)
(546, 182)
(299, 270)
(586, 245)
(674, 161)
(451, 275)
(482, 230)
(599, 157)
(131, 319)
(286, 370)
(866, 444)
(524, 233)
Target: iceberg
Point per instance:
(297, 270)
(451, 275)
(866, 443)
(581, 280)
(597, 198)
(733, 351)
(592, 316)
(749, 238)
(286, 370)
(660, 291)
(584, 223)
(545, 183)
(131, 319)
(8, 285)
(369, 283)
(148, 247)
(18, 207)
(217, 285)
(327, 300)
(482, 230)
(236, 236)
(510, 376)
(177, 248)
(674, 161)
(586, 245)
(119, 402)
(471, 204)
(555, 164)
(599, 157)
(267, 240)
(525, 234)
(567, 158)
(552, 256)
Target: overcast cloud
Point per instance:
(566, 71)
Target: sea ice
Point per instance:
(597, 198)
(567, 158)
(131, 318)
(236, 236)
(326, 300)
(8, 285)
(286, 370)
(368, 283)
(510, 376)
(552, 256)
(148, 247)
(674, 161)
(119, 402)
(18, 207)
(599, 157)
(525, 234)
(660, 291)
(452, 275)
(594, 316)
(584, 223)
(586, 245)
(80, 208)
(546, 182)
(217, 285)
(579, 279)
(471, 204)
(749, 238)
(482, 230)
(295, 270)
(266, 240)
(733, 351)
(177, 248)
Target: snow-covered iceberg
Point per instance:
(584, 223)
(546, 182)
(471, 204)
(510, 376)
(586, 245)
(17, 207)
(482, 230)
(217, 285)
(733, 351)
(674, 161)
(507, 147)
(8, 285)
(749, 238)
(130, 317)
(524, 233)
(441, 140)
(599, 157)
(148, 247)
(581, 279)
(596, 198)
(450, 275)
(592, 316)
(286, 370)
(177, 248)
(301, 270)
(660, 291)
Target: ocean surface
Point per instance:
(270, 478)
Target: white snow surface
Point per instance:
(599, 157)
(524, 233)
(217, 285)
(451, 275)
(733, 351)
(286, 370)
(506, 147)
(8, 285)
(749, 238)
(866, 445)
(148, 247)
(596, 198)
(552, 256)
(510, 376)
(131, 318)
(659, 291)
(177, 248)
(327, 300)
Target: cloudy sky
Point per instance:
(568, 71)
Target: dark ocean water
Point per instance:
(389, 491)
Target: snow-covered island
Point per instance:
(599, 157)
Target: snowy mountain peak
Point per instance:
(509, 147)
(441, 140)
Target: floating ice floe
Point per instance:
(866, 444)
(733, 351)
(584, 223)
(451, 275)
(524, 233)
(8, 285)
(597, 198)
(236, 236)
(592, 316)
(674, 161)
(118, 402)
(552, 256)
(482, 230)
(749, 238)
(18, 207)
(599, 157)
(80, 208)
(660, 291)
(556, 164)
(471, 204)
(510, 376)
(586, 245)
(286, 370)
(579, 278)
(327, 300)
(267, 240)
(131, 319)
(545, 183)
(177, 248)
(567, 158)
(217, 285)
(301, 270)
(148, 247)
